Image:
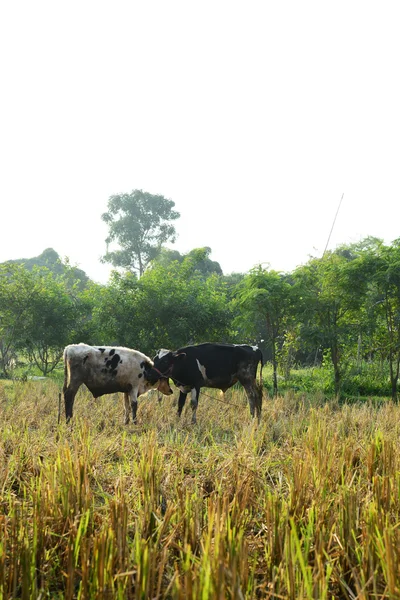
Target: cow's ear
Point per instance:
(180, 356)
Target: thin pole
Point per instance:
(59, 407)
(333, 224)
(326, 247)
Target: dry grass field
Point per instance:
(304, 505)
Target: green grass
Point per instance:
(363, 382)
(305, 505)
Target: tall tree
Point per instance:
(52, 316)
(330, 292)
(384, 302)
(264, 295)
(16, 294)
(140, 223)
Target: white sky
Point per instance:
(254, 117)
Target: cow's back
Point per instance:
(75, 356)
(211, 361)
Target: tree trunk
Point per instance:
(288, 365)
(394, 389)
(275, 367)
(4, 359)
(394, 374)
(336, 370)
(359, 348)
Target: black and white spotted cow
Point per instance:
(105, 370)
(215, 366)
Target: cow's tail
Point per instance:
(67, 371)
(69, 394)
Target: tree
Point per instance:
(384, 304)
(39, 314)
(115, 320)
(264, 295)
(140, 223)
(16, 293)
(199, 258)
(163, 309)
(330, 292)
(167, 256)
(50, 321)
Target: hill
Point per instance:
(52, 261)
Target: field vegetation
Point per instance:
(304, 505)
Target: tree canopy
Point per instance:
(199, 258)
(139, 223)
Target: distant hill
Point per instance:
(50, 259)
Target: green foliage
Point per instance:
(265, 293)
(162, 309)
(16, 293)
(140, 223)
(39, 314)
(329, 292)
(198, 257)
(371, 381)
(383, 305)
(52, 261)
(114, 317)
(50, 320)
(199, 262)
(264, 298)
(231, 284)
(312, 380)
(167, 256)
(342, 309)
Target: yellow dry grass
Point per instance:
(304, 505)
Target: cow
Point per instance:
(215, 366)
(105, 370)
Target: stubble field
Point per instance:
(304, 505)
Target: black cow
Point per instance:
(215, 366)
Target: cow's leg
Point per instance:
(69, 397)
(253, 398)
(132, 396)
(194, 401)
(127, 408)
(181, 402)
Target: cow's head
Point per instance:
(165, 360)
(164, 387)
(153, 376)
